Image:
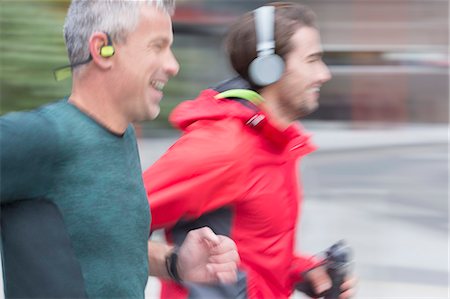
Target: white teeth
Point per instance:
(158, 85)
(315, 89)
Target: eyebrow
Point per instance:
(159, 40)
(315, 55)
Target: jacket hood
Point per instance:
(207, 107)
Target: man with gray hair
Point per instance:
(75, 218)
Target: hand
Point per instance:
(348, 288)
(321, 282)
(205, 257)
(318, 279)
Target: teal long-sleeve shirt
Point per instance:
(59, 157)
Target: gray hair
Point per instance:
(116, 17)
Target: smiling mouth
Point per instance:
(315, 89)
(158, 85)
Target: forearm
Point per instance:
(157, 253)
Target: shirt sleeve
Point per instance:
(28, 147)
(196, 175)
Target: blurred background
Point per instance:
(389, 58)
(380, 179)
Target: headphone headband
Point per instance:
(265, 28)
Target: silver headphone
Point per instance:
(267, 67)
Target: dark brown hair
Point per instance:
(240, 41)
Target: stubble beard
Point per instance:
(300, 111)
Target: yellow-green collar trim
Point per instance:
(245, 94)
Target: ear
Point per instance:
(96, 42)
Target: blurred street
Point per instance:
(383, 190)
(391, 206)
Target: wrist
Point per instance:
(172, 265)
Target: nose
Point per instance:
(172, 66)
(325, 74)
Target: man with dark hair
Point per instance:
(75, 217)
(234, 168)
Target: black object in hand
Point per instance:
(337, 263)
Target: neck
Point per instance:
(96, 100)
(272, 106)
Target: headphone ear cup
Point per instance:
(265, 70)
(107, 51)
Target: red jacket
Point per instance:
(234, 171)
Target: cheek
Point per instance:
(152, 63)
(294, 80)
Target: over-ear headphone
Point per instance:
(108, 50)
(267, 67)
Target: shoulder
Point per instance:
(29, 147)
(224, 140)
(27, 126)
(209, 146)
(33, 133)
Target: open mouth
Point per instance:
(315, 90)
(158, 85)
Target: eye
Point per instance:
(314, 58)
(157, 46)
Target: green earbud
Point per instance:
(107, 51)
(65, 71)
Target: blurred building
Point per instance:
(389, 58)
